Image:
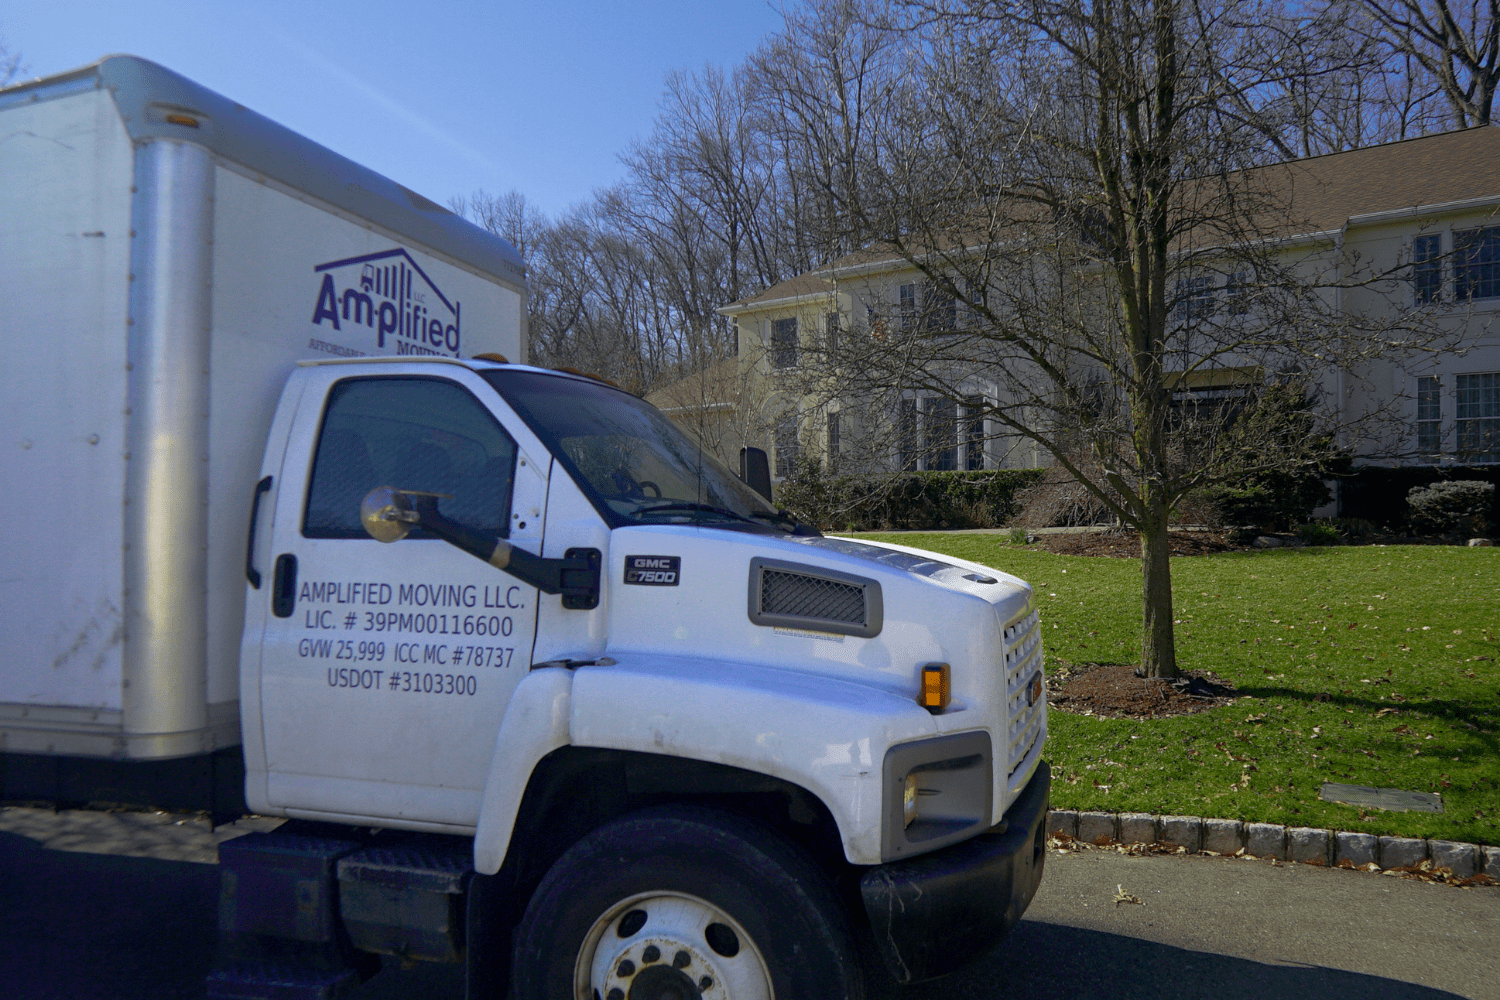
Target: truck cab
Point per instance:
(690, 740)
(539, 686)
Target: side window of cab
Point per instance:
(415, 433)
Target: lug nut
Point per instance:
(625, 969)
(681, 960)
(651, 954)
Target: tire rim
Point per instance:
(669, 946)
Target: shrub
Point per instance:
(918, 500)
(1355, 528)
(1018, 536)
(1320, 533)
(1457, 505)
(1273, 500)
(1378, 493)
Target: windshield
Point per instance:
(636, 466)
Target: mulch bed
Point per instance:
(1127, 543)
(1113, 691)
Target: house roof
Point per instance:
(1320, 194)
(811, 283)
(719, 386)
(1326, 192)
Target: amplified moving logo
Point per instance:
(387, 298)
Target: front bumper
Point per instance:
(934, 913)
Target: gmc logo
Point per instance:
(653, 571)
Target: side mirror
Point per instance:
(388, 513)
(755, 471)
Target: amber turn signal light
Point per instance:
(935, 688)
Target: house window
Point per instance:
(1237, 293)
(1195, 297)
(1429, 418)
(831, 333)
(973, 431)
(942, 435)
(835, 442)
(1427, 268)
(788, 447)
(908, 295)
(1476, 264)
(1478, 423)
(940, 310)
(975, 301)
(784, 343)
(906, 434)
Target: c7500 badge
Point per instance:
(653, 571)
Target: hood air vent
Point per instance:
(794, 595)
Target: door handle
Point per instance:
(251, 573)
(284, 586)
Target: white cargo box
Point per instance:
(166, 257)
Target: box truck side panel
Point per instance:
(64, 274)
(295, 280)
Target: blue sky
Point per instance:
(444, 97)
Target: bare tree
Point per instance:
(1456, 43)
(1082, 190)
(11, 65)
(509, 216)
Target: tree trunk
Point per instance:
(1158, 644)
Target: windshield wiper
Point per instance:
(793, 525)
(779, 515)
(691, 505)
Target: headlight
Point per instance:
(944, 789)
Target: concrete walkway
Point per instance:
(162, 835)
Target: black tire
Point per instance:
(668, 861)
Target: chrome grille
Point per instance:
(1023, 662)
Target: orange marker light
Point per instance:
(935, 688)
(184, 120)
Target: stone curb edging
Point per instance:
(1271, 840)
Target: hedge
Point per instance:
(913, 500)
(1379, 494)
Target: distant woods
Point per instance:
(746, 178)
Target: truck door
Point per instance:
(385, 669)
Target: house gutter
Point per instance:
(699, 408)
(739, 308)
(1436, 208)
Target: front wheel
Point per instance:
(685, 904)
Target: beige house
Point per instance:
(1426, 210)
(718, 405)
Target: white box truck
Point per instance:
(540, 687)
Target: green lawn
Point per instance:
(1369, 666)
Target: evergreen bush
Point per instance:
(1320, 533)
(1272, 501)
(1453, 506)
(909, 500)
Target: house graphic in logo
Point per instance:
(389, 293)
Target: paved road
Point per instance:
(84, 926)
